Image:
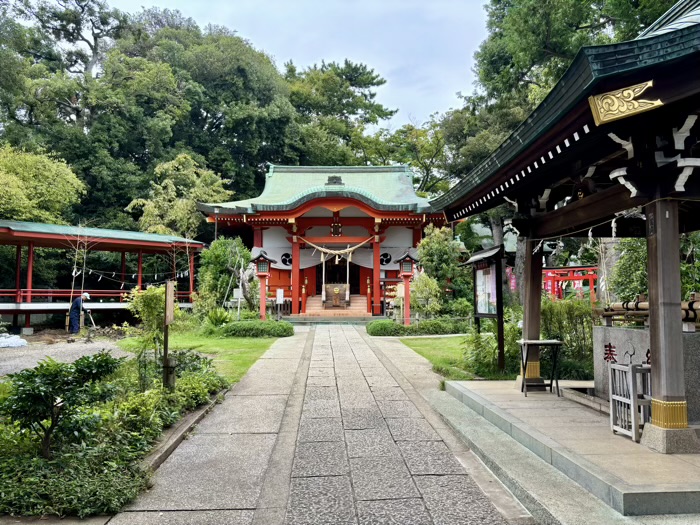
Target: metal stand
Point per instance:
(555, 345)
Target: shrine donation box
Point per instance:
(335, 295)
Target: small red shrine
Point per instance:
(335, 234)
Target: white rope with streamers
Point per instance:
(328, 251)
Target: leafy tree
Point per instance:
(334, 103)
(171, 207)
(35, 187)
(532, 42)
(86, 27)
(438, 255)
(426, 295)
(222, 266)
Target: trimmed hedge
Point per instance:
(257, 329)
(387, 327)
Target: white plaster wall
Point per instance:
(398, 236)
(324, 231)
(275, 237)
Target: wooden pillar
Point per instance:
(30, 271)
(532, 276)
(376, 297)
(123, 266)
(191, 272)
(669, 409)
(18, 282)
(139, 281)
(296, 288)
(407, 300)
(417, 236)
(257, 237)
(18, 273)
(263, 296)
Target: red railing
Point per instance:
(47, 295)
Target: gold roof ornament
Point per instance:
(621, 103)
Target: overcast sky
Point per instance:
(423, 48)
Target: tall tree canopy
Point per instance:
(36, 187)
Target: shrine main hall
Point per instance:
(333, 234)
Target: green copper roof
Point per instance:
(386, 188)
(683, 14)
(100, 234)
(590, 66)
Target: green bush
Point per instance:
(431, 327)
(219, 317)
(257, 329)
(98, 446)
(385, 327)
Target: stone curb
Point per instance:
(173, 436)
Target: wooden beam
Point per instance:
(580, 214)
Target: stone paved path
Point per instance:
(318, 432)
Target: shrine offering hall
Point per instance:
(333, 234)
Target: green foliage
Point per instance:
(481, 349)
(95, 468)
(571, 322)
(461, 308)
(41, 398)
(532, 42)
(220, 271)
(386, 327)
(258, 329)
(36, 187)
(629, 276)
(438, 255)
(171, 206)
(217, 317)
(426, 295)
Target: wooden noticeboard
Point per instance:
(169, 302)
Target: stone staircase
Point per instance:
(357, 308)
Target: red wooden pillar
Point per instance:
(30, 270)
(123, 266)
(406, 300)
(18, 273)
(139, 277)
(417, 236)
(295, 276)
(257, 237)
(18, 282)
(263, 296)
(191, 275)
(376, 298)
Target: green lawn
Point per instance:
(232, 356)
(445, 353)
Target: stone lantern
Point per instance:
(262, 269)
(406, 265)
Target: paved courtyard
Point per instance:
(320, 431)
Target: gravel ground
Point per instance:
(15, 359)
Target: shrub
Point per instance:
(95, 367)
(258, 329)
(461, 308)
(219, 317)
(41, 397)
(94, 467)
(385, 327)
(431, 327)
